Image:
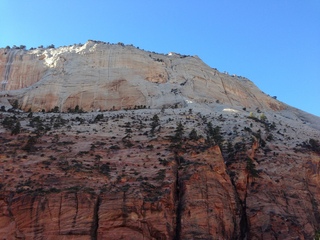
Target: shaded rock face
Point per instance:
(107, 76)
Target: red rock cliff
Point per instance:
(243, 167)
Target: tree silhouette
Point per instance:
(178, 132)
(193, 135)
(155, 123)
(214, 136)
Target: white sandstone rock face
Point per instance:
(113, 76)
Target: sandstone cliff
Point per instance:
(243, 167)
(87, 176)
(105, 76)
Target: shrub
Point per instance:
(127, 143)
(9, 122)
(16, 129)
(164, 162)
(115, 147)
(98, 118)
(55, 109)
(76, 109)
(263, 117)
(314, 145)
(269, 137)
(105, 169)
(30, 144)
(251, 115)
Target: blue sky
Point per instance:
(274, 43)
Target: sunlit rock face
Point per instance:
(104, 76)
(20, 69)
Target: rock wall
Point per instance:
(77, 176)
(199, 202)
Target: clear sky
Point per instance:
(274, 43)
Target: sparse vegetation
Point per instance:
(55, 109)
(10, 122)
(76, 109)
(179, 131)
(16, 128)
(313, 145)
(214, 136)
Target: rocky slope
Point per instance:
(243, 167)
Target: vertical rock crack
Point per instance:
(95, 223)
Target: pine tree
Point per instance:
(213, 135)
(16, 129)
(193, 135)
(128, 133)
(179, 132)
(15, 104)
(155, 123)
